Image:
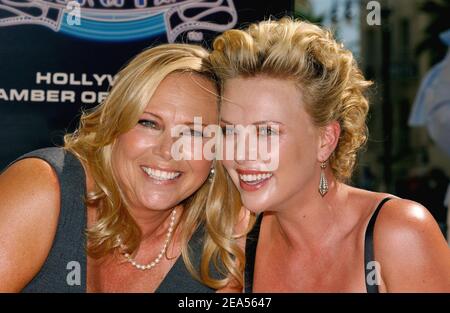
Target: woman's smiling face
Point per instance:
(274, 106)
(142, 161)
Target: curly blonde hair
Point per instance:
(93, 143)
(326, 73)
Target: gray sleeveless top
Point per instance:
(68, 252)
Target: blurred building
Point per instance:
(389, 58)
(405, 159)
(398, 159)
(387, 55)
(340, 16)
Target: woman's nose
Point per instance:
(164, 146)
(246, 147)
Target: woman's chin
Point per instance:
(255, 207)
(159, 205)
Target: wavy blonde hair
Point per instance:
(93, 143)
(326, 73)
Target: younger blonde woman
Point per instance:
(314, 232)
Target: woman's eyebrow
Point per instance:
(187, 122)
(153, 114)
(191, 123)
(267, 122)
(225, 121)
(256, 123)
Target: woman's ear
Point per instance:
(329, 138)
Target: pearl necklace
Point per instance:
(152, 264)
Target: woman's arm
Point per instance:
(413, 253)
(29, 211)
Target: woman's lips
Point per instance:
(161, 176)
(252, 180)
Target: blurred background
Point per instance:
(402, 46)
(55, 62)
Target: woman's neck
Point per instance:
(154, 223)
(308, 221)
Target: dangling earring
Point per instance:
(323, 184)
(211, 175)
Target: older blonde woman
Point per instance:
(117, 178)
(304, 93)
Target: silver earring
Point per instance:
(211, 175)
(323, 184)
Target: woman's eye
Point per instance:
(267, 131)
(196, 133)
(149, 124)
(227, 131)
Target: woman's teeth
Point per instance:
(159, 174)
(254, 178)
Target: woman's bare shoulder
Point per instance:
(411, 249)
(29, 211)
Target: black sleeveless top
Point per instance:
(252, 243)
(68, 252)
